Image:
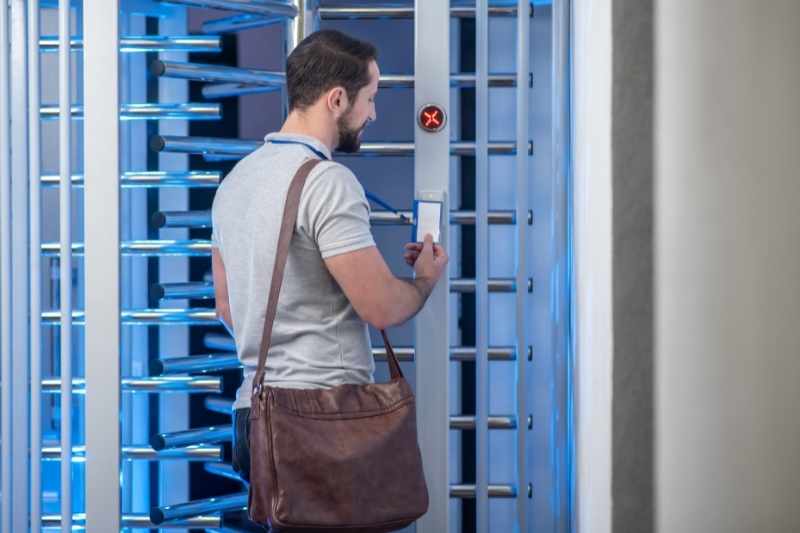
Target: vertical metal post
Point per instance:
(305, 23)
(34, 169)
(102, 264)
(432, 334)
(482, 265)
(522, 206)
(20, 267)
(562, 251)
(5, 268)
(65, 255)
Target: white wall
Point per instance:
(727, 266)
(591, 112)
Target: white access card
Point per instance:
(429, 220)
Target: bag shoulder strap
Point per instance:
(287, 229)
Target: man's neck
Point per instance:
(301, 124)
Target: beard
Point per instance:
(349, 138)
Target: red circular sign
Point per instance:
(431, 118)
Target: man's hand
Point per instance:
(434, 258)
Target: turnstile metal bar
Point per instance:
(137, 521)
(195, 290)
(194, 364)
(225, 90)
(150, 179)
(148, 43)
(167, 513)
(495, 285)
(265, 8)
(189, 437)
(215, 362)
(202, 218)
(217, 73)
(463, 422)
(467, 492)
(201, 290)
(220, 147)
(188, 384)
(149, 111)
(387, 81)
(234, 23)
(160, 515)
(217, 341)
(465, 79)
(218, 405)
(223, 470)
(144, 453)
(192, 247)
(144, 317)
(363, 12)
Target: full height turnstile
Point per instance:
(97, 126)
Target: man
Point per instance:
(336, 281)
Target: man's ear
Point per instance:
(337, 101)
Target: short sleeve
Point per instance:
(334, 211)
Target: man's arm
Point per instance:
(223, 307)
(379, 298)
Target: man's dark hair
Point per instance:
(324, 60)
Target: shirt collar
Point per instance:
(296, 137)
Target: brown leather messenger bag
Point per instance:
(344, 459)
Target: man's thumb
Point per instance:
(427, 244)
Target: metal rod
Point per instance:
(220, 73)
(201, 290)
(494, 422)
(183, 111)
(217, 341)
(152, 385)
(481, 282)
(182, 219)
(304, 24)
(387, 81)
(5, 269)
(194, 364)
(258, 7)
(148, 43)
(195, 247)
(224, 470)
(241, 147)
(202, 218)
(144, 453)
(467, 492)
(523, 199)
(144, 317)
(496, 353)
(218, 405)
(150, 179)
(234, 23)
(225, 90)
(191, 436)
(494, 285)
(159, 515)
(34, 163)
(137, 521)
(345, 13)
(65, 255)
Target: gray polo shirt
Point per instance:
(318, 340)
